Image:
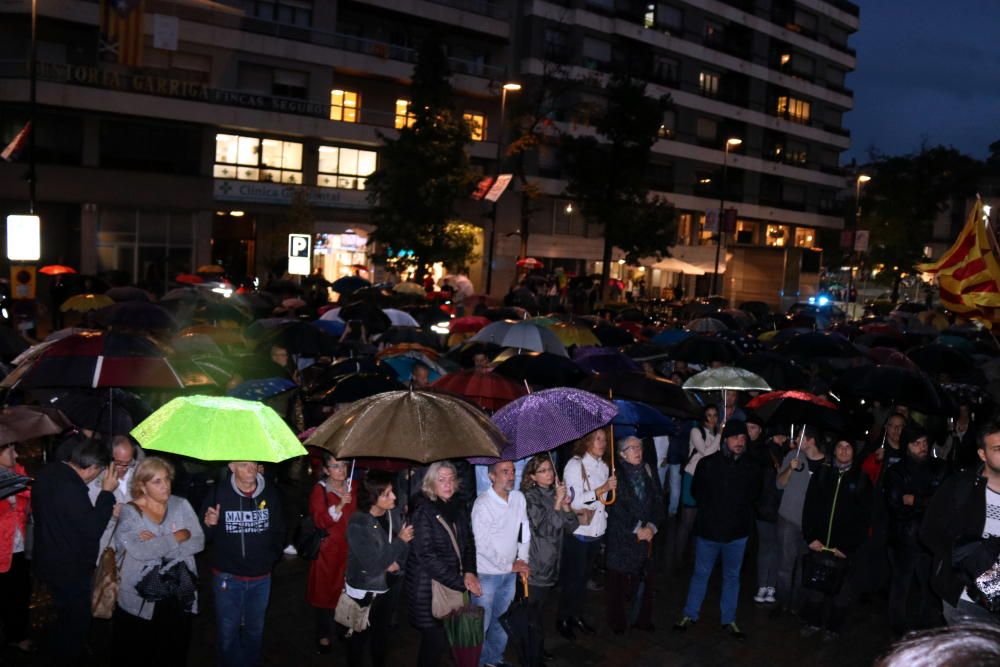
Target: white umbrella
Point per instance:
(399, 318)
(332, 315)
(529, 336)
(725, 379)
(494, 332)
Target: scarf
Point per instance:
(636, 476)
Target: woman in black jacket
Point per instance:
(835, 519)
(433, 557)
(377, 543)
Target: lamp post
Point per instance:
(33, 105)
(730, 143)
(506, 88)
(859, 181)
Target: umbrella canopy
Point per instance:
(886, 356)
(188, 279)
(400, 318)
(796, 407)
(726, 378)
(494, 332)
(612, 336)
(420, 426)
(405, 334)
(219, 334)
(541, 369)
(83, 303)
(528, 336)
(469, 324)
(355, 387)
(12, 344)
(776, 370)
(320, 376)
(296, 336)
(705, 350)
(261, 390)
(210, 268)
(648, 351)
(372, 318)
(746, 343)
(137, 316)
(530, 263)
(893, 385)
(707, 325)
(490, 391)
(670, 337)
(127, 293)
(403, 366)
(409, 288)
(465, 353)
(641, 420)
(666, 396)
(816, 344)
(349, 284)
(24, 422)
(574, 334)
(937, 359)
(56, 270)
(107, 411)
(219, 428)
(605, 360)
(544, 420)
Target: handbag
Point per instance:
(106, 580)
(351, 614)
(823, 571)
(585, 514)
(309, 537)
(445, 600)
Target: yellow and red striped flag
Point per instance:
(969, 272)
(122, 31)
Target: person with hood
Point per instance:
(909, 486)
(961, 527)
(835, 519)
(245, 534)
(726, 485)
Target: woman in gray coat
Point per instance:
(550, 518)
(155, 527)
(377, 543)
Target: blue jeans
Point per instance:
(240, 607)
(498, 593)
(706, 553)
(674, 470)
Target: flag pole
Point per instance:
(33, 105)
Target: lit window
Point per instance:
(477, 125)
(255, 159)
(344, 106)
(404, 117)
(793, 109)
(668, 126)
(649, 17)
(785, 57)
(777, 235)
(805, 237)
(708, 84)
(345, 168)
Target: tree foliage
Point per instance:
(424, 171)
(607, 174)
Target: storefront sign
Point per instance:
(299, 251)
(147, 83)
(282, 194)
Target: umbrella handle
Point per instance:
(612, 496)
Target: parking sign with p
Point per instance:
(299, 251)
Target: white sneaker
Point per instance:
(761, 595)
(290, 551)
(769, 597)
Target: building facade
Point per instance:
(241, 121)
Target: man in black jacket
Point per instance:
(909, 487)
(67, 535)
(725, 486)
(962, 529)
(245, 535)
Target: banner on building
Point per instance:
(121, 37)
(17, 144)
(498, 187)
(165, 30)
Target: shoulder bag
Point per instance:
(107, 578)
(823, 571)
(445, 600)
(585, 515)
(309, 537)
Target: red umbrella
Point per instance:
(56, 270)
(886, 356)
(631, 327)
(189, 279)
(470, 324)
(489, 391)
(529, 263)
(796, 407)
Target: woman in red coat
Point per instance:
(15, 585)
(331, 505)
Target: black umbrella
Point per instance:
(612, 336)
(706, 349)
(427, 316)
(894, 385)
(136, 316)
(937, 359)
(506, 313)
(777, 370)
(320, 377)
(243, 367)
(396, 335)
(355, 387)
(349, 284)
(370, 316)
(120, 294)
(525, 633)
(816, 344)
(797, 407)
(646, 351)
(667, 397)
(296, 336)
(113, 412)
(465, 353)
(541, 369)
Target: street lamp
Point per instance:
(732, 142)
(509, 87)
(858, 182)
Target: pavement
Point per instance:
(772, 642)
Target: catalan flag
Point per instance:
(969, 272)
(122, 31)
(16, 145)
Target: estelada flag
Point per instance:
(969, 272)
(16, 145)
(121, 37)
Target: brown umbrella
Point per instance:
(414, 425)
(24, 422)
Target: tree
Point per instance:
(607, 176)
(904, 197)
(424, 171)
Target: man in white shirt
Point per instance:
(500, 526)
(125, 456)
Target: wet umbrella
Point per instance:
(494, 332)
(370, 315)
(400, 318)
(127, 293)
(778, 371)
(815, 344)
(506, 313)
(667, 397)
(404, 334)
(669, 337)
(937, 359)
(82, 303)
(260, 390)
(893, 385)
(490, 391)
(108, 411)
(605, 360)
(641, 420)
(222, 335)
(746, 343)
(469, 324)
(886, 356)
(574, 334)
(24, 422)
(707, 325)
(612, 336)
(189, 279)
(465, 353)
(528, 336)
(319, 377)
(648, 351)
(734, 318)
(421, 426)
(726, 378)
(705, 350)
(355, 387)
(796, 407)
(136, 316)
(219, 428)
(349, 284)
(331, 327)
(296, 336)
(530, 263)
(542, 421)
(541, 369)
(409, 288)
(56, 270)
(186, 295)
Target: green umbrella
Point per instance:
(219, 428)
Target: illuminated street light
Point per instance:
(509, 87)
(731, 142)
(861, 180)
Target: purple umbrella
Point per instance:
(544, 420)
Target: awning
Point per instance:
(675, 265)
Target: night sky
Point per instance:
(927, 70)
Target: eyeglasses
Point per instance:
(124, 464)
(630, 447)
